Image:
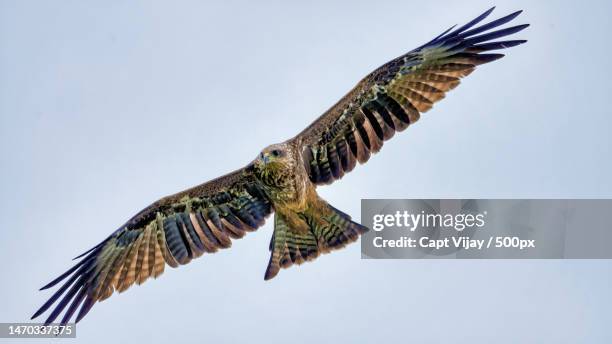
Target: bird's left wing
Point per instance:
(172, 231)
(394, 95)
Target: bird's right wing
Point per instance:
(172, 231)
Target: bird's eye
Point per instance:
(276, 153)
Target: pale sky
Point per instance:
(106, 107)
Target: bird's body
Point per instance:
(282, 179)
(310, 225)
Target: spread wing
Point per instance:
(393, 96)
(172, 231)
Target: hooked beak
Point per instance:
(265, 158)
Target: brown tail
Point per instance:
(319, 230)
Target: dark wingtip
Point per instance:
(486, 13)
(88, 251)
(445, 32)
(271, 271)
(48, 285)
(85, 308)
(486, 58)
(471, 23)
(269, 275)
(61, 277)
(40, 311)
(511, 16)
(516, 42)
(519, 28)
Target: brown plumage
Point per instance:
(282, 179)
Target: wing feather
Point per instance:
(173, 231)
(395, 95)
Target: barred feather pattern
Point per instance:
(326, 229)
(395, 95)
(206, 218)
(172, 233)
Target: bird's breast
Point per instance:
(284, 186)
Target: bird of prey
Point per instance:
(283, 178)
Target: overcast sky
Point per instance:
(107, 107)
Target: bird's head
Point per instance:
(273, 157)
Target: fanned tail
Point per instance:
(301, 237)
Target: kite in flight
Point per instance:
(283, 178)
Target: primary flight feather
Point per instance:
(282, 179)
